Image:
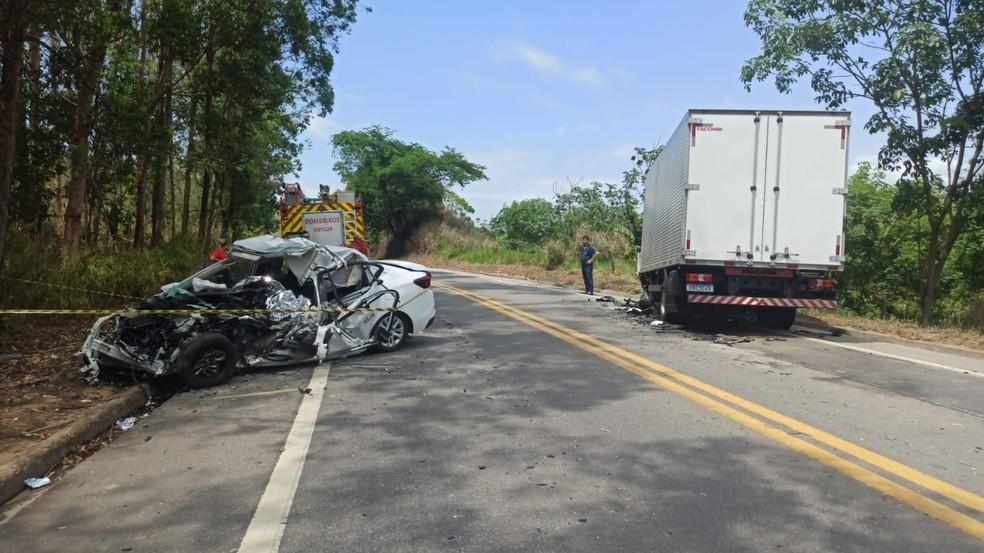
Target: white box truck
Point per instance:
(744, 215)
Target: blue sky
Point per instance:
(544, 94)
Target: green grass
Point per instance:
(87, 280)
(485, 255)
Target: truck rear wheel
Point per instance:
(777, 318)
(666, 314)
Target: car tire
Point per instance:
(207, 360)
(399, 331)
(777, 318)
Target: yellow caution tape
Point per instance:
(77, 289)
(189, 311)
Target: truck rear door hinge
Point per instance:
(841, 191)
(692, 187)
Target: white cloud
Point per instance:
(936, 165)
(561, 130)
(322, 127)
(621, 152)
(520, 173)
(546, 63)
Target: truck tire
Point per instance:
(777, 318)
(667, 314)
(207, 360)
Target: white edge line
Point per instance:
(266, 529)
(967, 372)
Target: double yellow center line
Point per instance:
(768, 423)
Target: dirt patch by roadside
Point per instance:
(40, 386)
(606, 283)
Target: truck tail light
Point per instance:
(820, 283)
(699, 277)
(687, 247)
(424, 281)
(837, 246)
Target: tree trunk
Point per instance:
(214, 214)
(79, 155)
(170, 175)
(13, 42)
(932, 275)
(34, 120)
(229, 230)
(140, 217)
(189, 168)
(203, 212)
(157, 217)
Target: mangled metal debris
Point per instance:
(273, 303)
(126, 423)
(35, 483)
(729, 340)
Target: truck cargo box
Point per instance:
(748, 188)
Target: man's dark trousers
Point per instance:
(587, 272)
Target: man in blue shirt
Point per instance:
(588, 256)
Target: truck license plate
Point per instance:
(700, 287)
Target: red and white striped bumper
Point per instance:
(749, 301)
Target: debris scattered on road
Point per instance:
(35, 483)
(657, 322)
(775, 339)
(729, 340)
(126, 423)
(606, 299)
(305, 391)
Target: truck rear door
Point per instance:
(802, 204)
(767, 186)
(727, 160)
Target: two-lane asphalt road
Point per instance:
(532, 419)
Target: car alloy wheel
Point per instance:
(210, 363)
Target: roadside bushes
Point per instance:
(123, 270)
(556, 256)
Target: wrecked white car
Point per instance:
(273, 303)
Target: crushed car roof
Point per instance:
(267, 245)
(299, 253)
